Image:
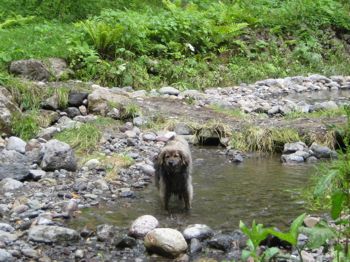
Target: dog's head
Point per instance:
(173, 158)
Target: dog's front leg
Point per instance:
(164, 195)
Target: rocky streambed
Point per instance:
(45, 184)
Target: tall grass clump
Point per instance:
(84, 138)
(26, 125)
(262, 139)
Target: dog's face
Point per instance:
(172, 158)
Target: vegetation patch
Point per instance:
(317, 114)
(114, 163)
(261, 139)
(84, 139)
(25, 126)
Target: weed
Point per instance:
(236, 113)
(317, 114)
(84, 139)
(263, 139)
(26, 125)
(114, 163)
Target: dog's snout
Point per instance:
(171, 163)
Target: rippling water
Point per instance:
(224, 193)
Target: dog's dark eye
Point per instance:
(167, 156)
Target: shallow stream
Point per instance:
(260, 188)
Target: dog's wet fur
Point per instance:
(173, 167)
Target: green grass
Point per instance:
(317, 114)
(260, 139)
(235, 113)
(186, 44)
(39, 40)
(84, 139)
(25, 126)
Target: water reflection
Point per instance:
(224, 193)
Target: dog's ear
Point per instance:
(185, 158)
(160, 158)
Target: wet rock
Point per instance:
(322, 151)
(72, 112)
(79, 253)
(166, 242)
(76, 98)
(7, 109)
(105, 232)
(168, 90)
(125, 241)
(311, 159)
(31, 69)
(237, 158)
(58, 155)
(293, 147)
(7, 237)
(221, 242)
(292, 158)
(9, 184)
(142, 225)
(6, 256)
(198, 231)
(52, 234)
(17, 144)
(195, 246)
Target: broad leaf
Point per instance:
(318, 235)
(271, 252)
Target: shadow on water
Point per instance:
(224, 193)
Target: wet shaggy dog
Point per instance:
(173, 167)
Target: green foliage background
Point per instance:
(187, 44)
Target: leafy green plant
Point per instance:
(256, 234)
(103, 36)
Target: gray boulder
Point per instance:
(169, 90)
(7, 237)
(14, 165)
(9, 184)
(58, 155)
(52, 234)
(294, 147)
(101, 99)
(167, 242)
(58, 68)
(5, 256)
(292, 158)
(142, 225)
(7, 108)
(198, 231)
(17, 144)
(183, 129)
(76, 98)
(322, 151)
(31, 69)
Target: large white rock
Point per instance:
(142, 225)
(166, 242)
